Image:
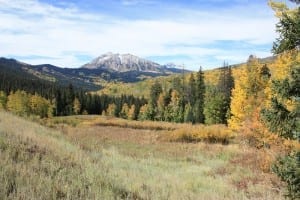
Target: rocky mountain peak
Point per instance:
(123, 63)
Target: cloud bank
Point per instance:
(68, 36)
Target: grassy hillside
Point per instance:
(81, 159)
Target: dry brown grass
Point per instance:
(118, 122)
(199, 133)
(125, 163)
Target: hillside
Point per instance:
(92, 76)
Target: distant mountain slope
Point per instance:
(106, 68)
(49, 73)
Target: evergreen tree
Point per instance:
(286, 122)
(225, 86)
(289, 32)
(69, 99)
(216, 106)
(200, 94)
(155, 91)
(279, 118)
(188, 113)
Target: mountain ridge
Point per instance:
(85, 78)
(128, 62)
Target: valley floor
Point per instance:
(79, 160)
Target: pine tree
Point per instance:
(289, 31)
(191, 90)
(216, 107)
(188, 113)
(155, 91)
(286, 122)
(69, 99)
(225, 86)
(200, 94)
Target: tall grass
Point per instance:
(41, 163)
(198, 133)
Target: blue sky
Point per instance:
(196, 32)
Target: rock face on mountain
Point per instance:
(124, 63)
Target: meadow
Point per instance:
(93, 157)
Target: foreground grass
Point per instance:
(100, 162)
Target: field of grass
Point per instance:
(80, 158)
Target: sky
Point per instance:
(193, 33)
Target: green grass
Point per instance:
(94, 162)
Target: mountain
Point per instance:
(110, 67)
(129, 63)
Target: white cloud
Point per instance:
(32, 28)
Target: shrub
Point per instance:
(288, 169)
(198, 133)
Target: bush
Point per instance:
(198, 133)
(288, 169)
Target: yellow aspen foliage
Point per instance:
(239, 105)
(40, 106)
(248, 93)
(124, 111)
(280, 69)
(281, 8)
(160, 106)
(76, 106)
(131, 112)
(3, 100)
(143, 112)
(110, 111)
(174, 98)
(282, 65)
(18, 103)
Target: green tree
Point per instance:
(200, 94)
(280, 118)
(191, 90)
(216, 106)
(289, 32)
(188, 113)
(225, 86)
(286, 122)
(155, 91)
